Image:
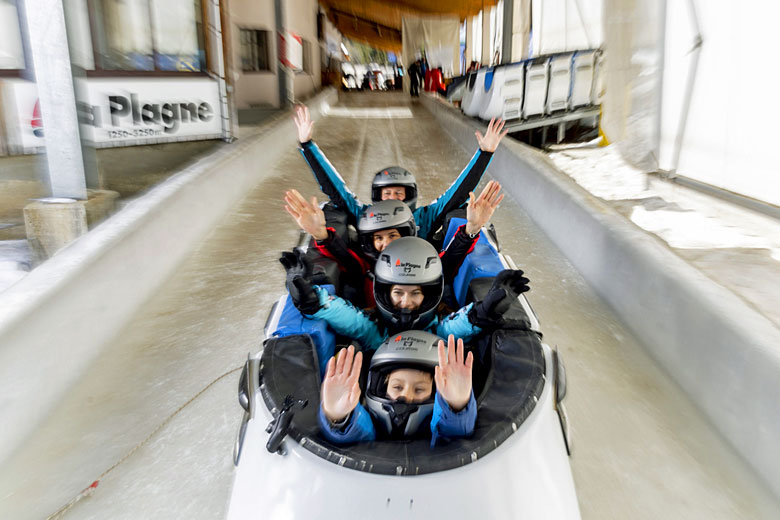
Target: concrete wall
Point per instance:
(57, 319)
(722, 353)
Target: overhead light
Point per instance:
(344, 49)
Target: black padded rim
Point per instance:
(288, 367)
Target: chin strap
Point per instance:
(404, 320)
(399, 412)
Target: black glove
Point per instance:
(507, 286)
(298, 284)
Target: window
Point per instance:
(148, 35)
(306, 56)
(254, 50)
(11, 50)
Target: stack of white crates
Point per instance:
(505, 97)
(560, 81)
(536, 88)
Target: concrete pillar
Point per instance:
(521, 29)
(53, 76)
(487, 51)
(285, 76)
(506, 41)
(54, 222)
(470, 41)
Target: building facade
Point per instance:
(151, 71)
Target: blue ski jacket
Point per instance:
(444, 423)
(347, 320)
(428, 218)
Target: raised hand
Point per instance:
(493, 136)
(307, 214)
(303, 123)
(507, 286)
(340, 388)
(480, 210)
(453, 374)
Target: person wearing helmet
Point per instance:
(395, 183)
(408, 286)
(428, 218)
(414, 386)
(381, 224)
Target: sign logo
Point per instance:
(36, 122)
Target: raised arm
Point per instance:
(428, 217)
(455, 409)
(478, 214)
(340, 390)
(330, 181)
(342, 420)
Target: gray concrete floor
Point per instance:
(641, 448)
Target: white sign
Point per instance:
(291, 45)
(124, 111)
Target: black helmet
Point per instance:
(395, 176)
(408, 261)
(414, 349)
(386, 214)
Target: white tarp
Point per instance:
(438, 37)
(565, 25)
(724, 137)
(631, 75)
(729, 139)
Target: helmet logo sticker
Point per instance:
(409, 343)
(380, 216)
(407, 267)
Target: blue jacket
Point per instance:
(428, 218)
(347, 320)
(444, 423)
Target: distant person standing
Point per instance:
(415, 73)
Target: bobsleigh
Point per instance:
(515, 465)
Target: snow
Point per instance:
(369, 113)
(688, 220)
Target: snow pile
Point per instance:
(692, 230)
(689, 220)
(602, 172)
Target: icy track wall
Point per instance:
(722, 353)
(55, 321)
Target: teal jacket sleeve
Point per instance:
(359, 427)
(446, 423)
(458, 325)
(347, 320)
(428, 218)
(330, 181)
